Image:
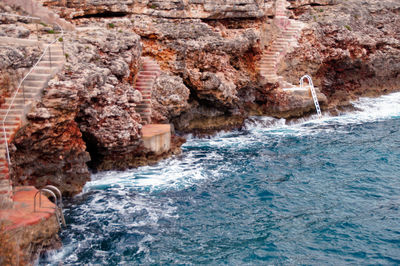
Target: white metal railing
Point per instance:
(56, 194)
(313, 93)
(25, 77)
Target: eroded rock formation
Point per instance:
(209, 53)
(90, 106)
(350, 48)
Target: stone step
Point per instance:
(270, 61)
(280, 39)
(146, 100)
(13, 111)
(42, 70)
(5, 106)
(149, 68)
(269, 76)
(31, 89)
(11, 117)
(145, 83)
(268, 64)
(11, 120)
(55, 50)
(9, 135)
(54, 64)
(270, 53)
(55, 54)
(143, 105)
(37, 76)
(146, 76)
(144, 111)
(143, 88)
(287, 33)
(17, 100)
(271, 70)
(274, 49)
(11, 124)
(35, 83)
(268, 57)
(148, 73)
(280, 43)
(148, 80)
(4, 168)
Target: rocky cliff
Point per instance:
(351, 48)
(209, 53)
(89, 107)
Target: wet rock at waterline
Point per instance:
(210, 78)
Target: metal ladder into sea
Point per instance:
(313, 93)
(56, 194)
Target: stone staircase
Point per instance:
(30, 90)
(144, 83)
(290, 30)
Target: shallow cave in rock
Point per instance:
(106, 14)
(92, 149)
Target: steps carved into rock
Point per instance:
(13, 111)
(144, 83)
(286, 40)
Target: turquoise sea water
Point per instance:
(312, 192)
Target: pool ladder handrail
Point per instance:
(313, 93)
(52, 191)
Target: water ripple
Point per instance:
(314, 192)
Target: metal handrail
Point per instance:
(60, 204)
(59, 221)
(19, 87)
(313, 93)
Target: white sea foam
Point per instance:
(185, 170)
(367, 110)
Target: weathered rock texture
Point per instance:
(351, 48)
(215, 62)
(91, 100)
(34, 8)
(208, 52)
(214, 47)
(207, 9)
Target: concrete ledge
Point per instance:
(157, 137)
(22, 214)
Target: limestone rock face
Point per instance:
(170, 98)
(216, 62)
(15, 58)
(351, 48)
(91, 100)
(104, 61)
(209, 9)
(50, 149)
(214, 58)
(292, 104)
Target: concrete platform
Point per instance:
(157, 137)
(22, 214)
